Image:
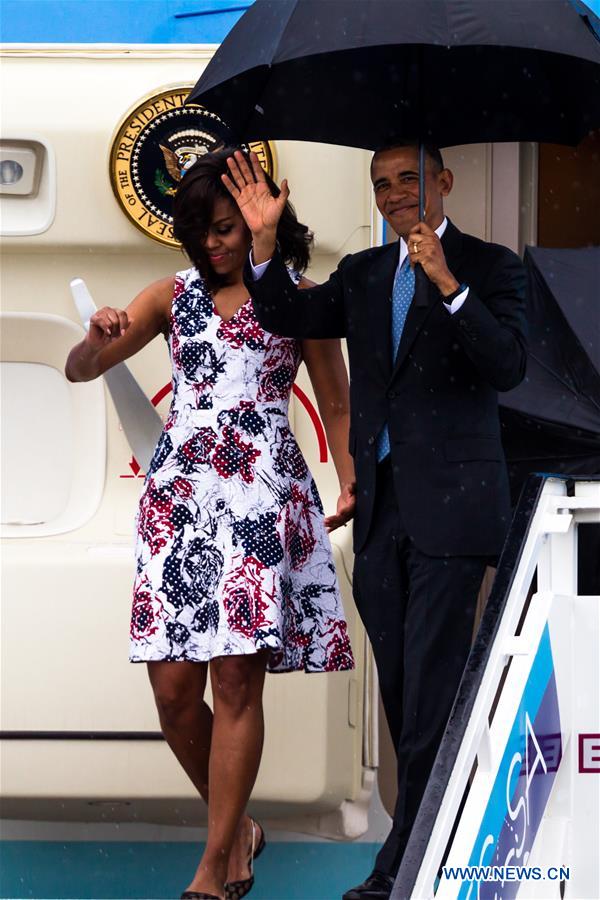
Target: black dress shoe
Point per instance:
(377, 887)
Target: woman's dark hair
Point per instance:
(200, 188)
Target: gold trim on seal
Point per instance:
(144, 192)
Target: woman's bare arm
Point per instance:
(115, 334)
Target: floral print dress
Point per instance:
(232, 553)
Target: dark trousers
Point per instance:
(418, 611)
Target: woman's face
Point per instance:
(228, 240)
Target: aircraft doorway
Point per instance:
(569, 194)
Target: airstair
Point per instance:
(512, 807)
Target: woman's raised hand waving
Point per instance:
(261, 210)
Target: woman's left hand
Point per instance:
(345, 507)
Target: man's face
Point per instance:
(395, 177)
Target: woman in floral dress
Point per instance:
(235, 574)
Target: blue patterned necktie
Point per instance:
(402, 294)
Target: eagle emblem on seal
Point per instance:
(154, 146)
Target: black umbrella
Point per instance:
(367, 73)
(551, 421)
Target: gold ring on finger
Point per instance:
(415, 247)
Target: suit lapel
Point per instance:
(452, 240)
(418, 314)
(379, 294)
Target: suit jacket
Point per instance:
(439, 396)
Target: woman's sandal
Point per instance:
(235, 890)
(198, 895)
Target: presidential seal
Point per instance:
(154, 146)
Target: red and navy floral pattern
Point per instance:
(232, 554)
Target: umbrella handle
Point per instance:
(421, 181)
(421, 280)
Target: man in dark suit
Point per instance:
(432, 496)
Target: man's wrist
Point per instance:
(448, 288)
(450, 298)
(263, 247)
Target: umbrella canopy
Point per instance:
(367, 73)
(551, 421)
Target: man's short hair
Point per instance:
(431, 151)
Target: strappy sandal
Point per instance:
(235, 890)
(198, 895)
